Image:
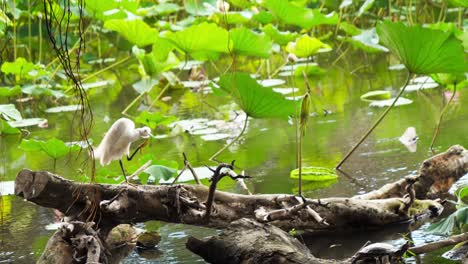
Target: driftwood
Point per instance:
(111, 205)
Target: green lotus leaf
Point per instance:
(232, 18)
(136, 31)
(305, 46)
(10, 91)
(149, 63)
(245, 42)
(6, 129)
(376, 95)
(289, 13)
(463, 195)
(100, 8)
(282, 38)
(257, 101)
(160, 9)
(263, 17)
(56, 148)
(314, 174)
(30, 145)
(200, 7)
(423, 50)
(350, 29)
(321, 19)
(203, 41)
(241, 3)
(20, 67)
(309, 70)
(155, 119)
(160, 172)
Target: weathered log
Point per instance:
(117, 204)
(453, 240)
(435, 177)
(248, 241)
(114, 205)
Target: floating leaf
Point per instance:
(136, 31)
(350, 29)
(10, 91)
(27, 122)
(245, 42)
(376, 95)
(64, 108)
(6, 129)
(305, 46)
(9, 112)
(203, 41)
(309, 70)
(263, 17)
(443, 227)
(385, 103)
(423, 50)
(314, 174)
(232, 18)
(257, 101)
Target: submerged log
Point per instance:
(111, 205)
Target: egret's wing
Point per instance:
(114, 142)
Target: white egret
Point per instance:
(117, 142)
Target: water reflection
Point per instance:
(266, 152)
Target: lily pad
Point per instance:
(423, 50)
(376, 95)
(314, 174)
(271, 82)
(384, 103)
(9, 112)
(367, 40)
(64, 108)
(27, 122)
(421, 86)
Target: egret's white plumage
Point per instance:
(118, 139)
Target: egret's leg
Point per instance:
(137, 149)
(123, 171)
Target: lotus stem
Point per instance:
(436, 132)
(232, 142)
(375, 124)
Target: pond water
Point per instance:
(266, 151)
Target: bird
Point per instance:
(117, 141)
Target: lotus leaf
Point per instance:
(245, 42)
(136, 31)
(423, 50)
(203, 41)
(314, 174)
(305, 46)
(257, 101)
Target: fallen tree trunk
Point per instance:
(111, 205)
